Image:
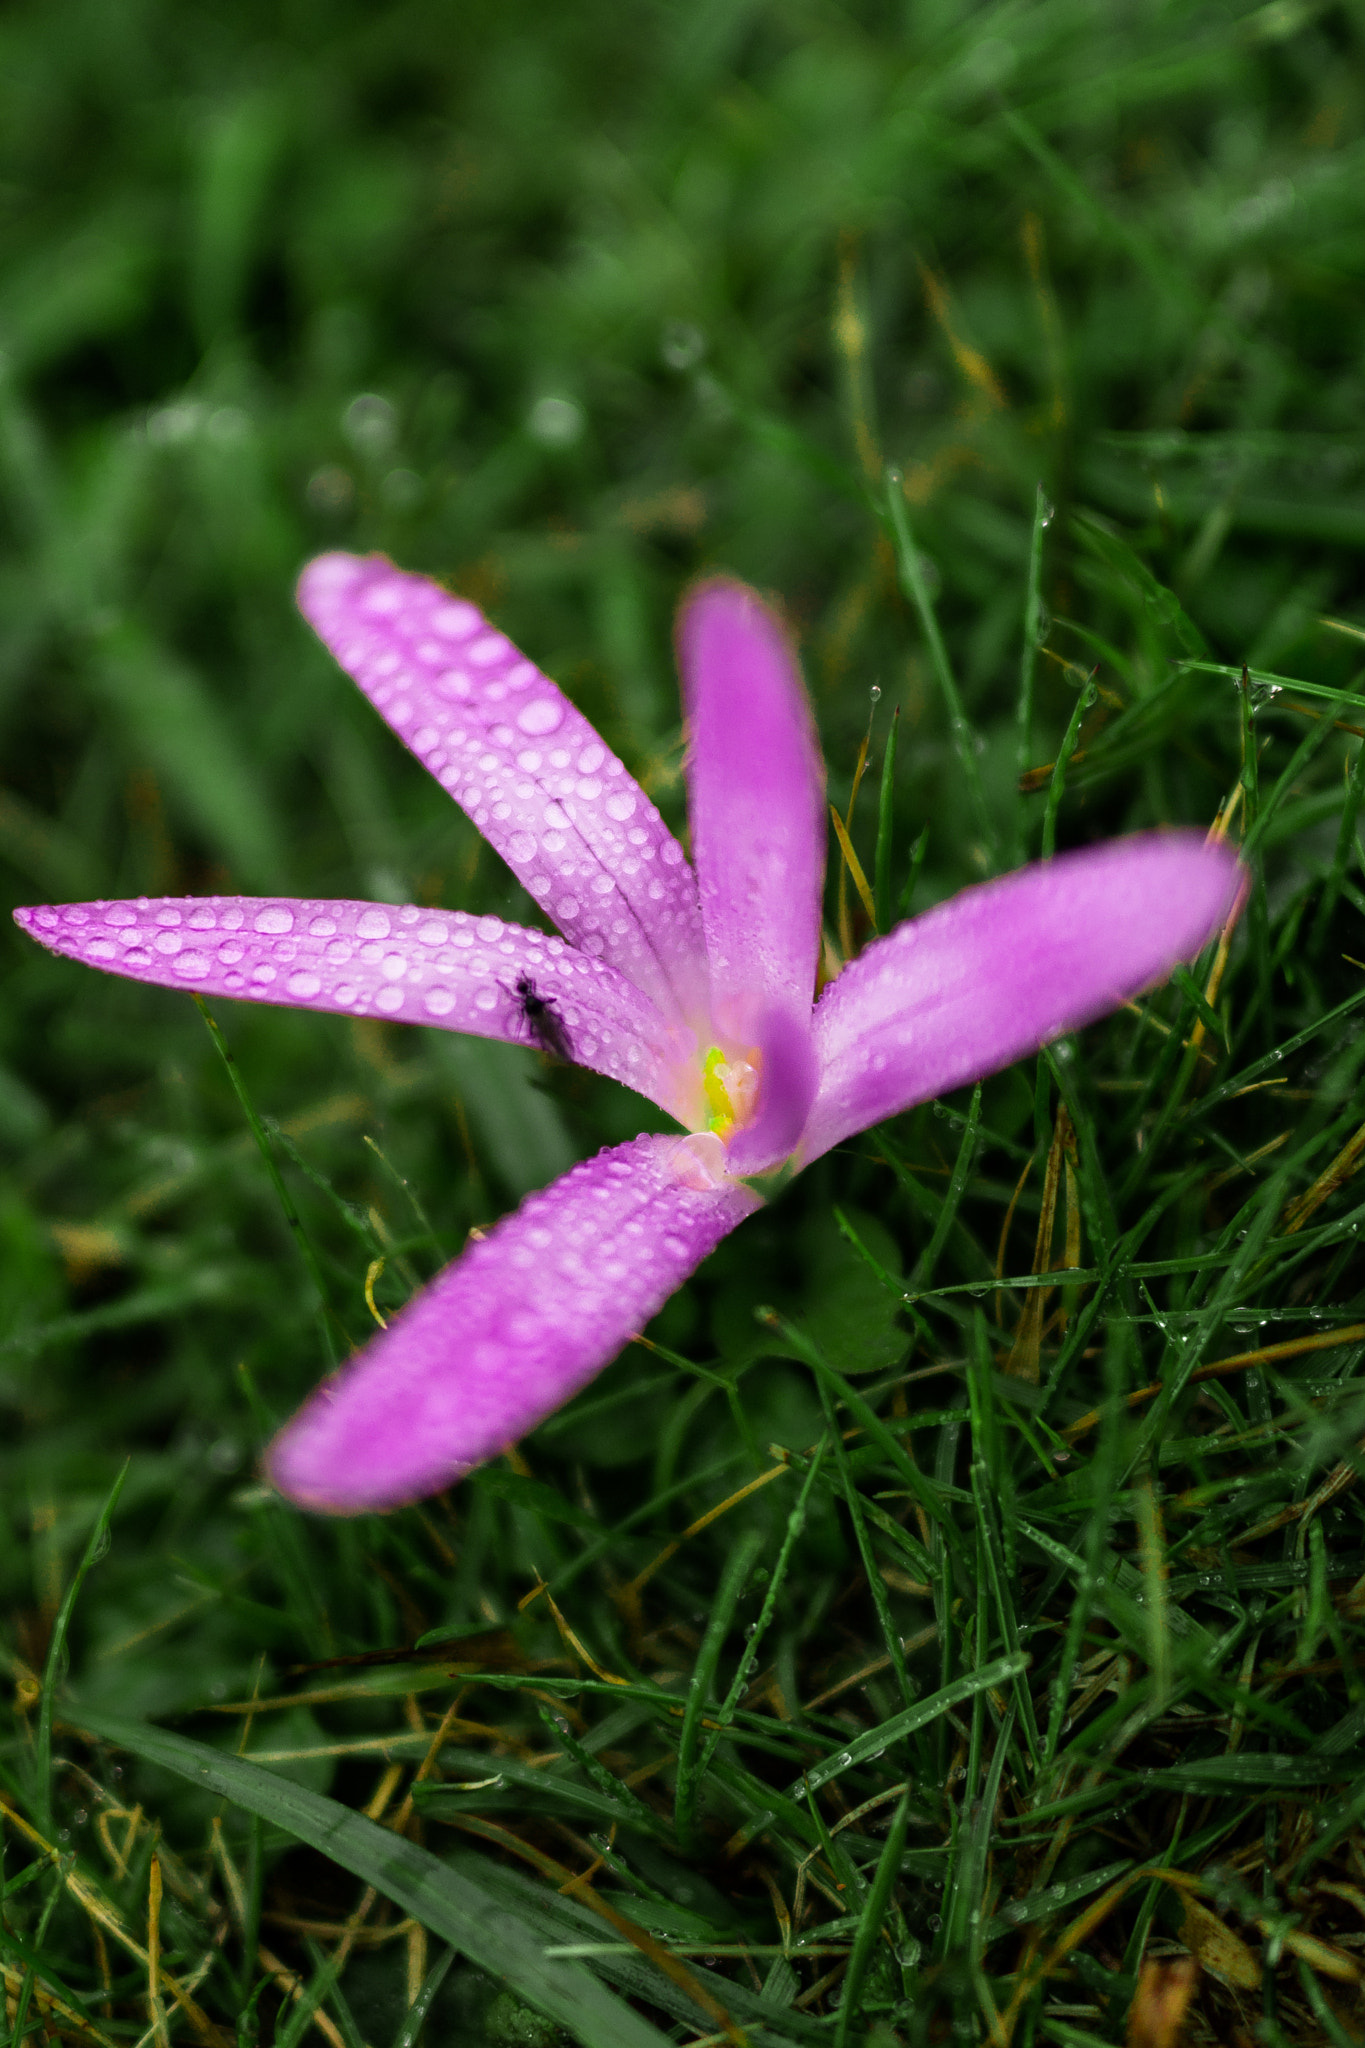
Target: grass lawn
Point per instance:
(897, 1644)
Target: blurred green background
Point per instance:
(565, 305)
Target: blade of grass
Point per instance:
(1028, 663)
(876, 1585)
(504, 1944)
(917, 590)
(733, 1581)
(291, 1214)
(796, 1522)
(1070, 738)
(876, 1742)
(886, 801)
(407, 2034)
(872, 1918)
(55, 1665)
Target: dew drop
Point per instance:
(456, 621)
(542, 715)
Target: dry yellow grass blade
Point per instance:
(578, 1887)
(1023, 1360)
(1223, 1953)
(969, 360)
(156, 2011)
(1346, 1163)
(1156, 2018)
(98, 1909)
(57, 2016)
(1268, 1354)
(632, 1591)
(293, 1988)
(855, 869)
(850, 335)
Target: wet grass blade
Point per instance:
(53, 1669)
(507, 1946)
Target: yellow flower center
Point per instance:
(731, 1090)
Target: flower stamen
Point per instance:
(731, 1090)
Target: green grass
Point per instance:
(901, 1645)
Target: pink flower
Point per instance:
(692, 983)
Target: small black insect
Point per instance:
(544, 1025)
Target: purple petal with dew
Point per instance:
(997, 971)
(414, 966)
(519, 1322)
(525, 764)
(756, 802)
(787, 1075)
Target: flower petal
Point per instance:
(511, 749)
(787, 1076)
(756, 800)
(998, 970)
(371, 959)
(519, 1322)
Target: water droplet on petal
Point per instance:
(456, 621)
(542, 715)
